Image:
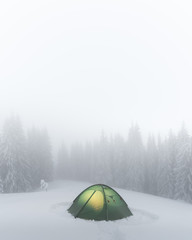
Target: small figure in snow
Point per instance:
(43, 185)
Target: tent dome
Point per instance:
(99, 202)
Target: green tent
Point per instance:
(99, 202)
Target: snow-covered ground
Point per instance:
(43, 216)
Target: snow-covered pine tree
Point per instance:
(89, 160)
(34, 153)
(15, 168)
(46, 157)
(77, 162)
(135, 157)
(39, 155)
(162, 171)
(1, 185)
(189, 175)
(167, 164)
(101, 165)
(1, 171)
(118, 161)
(104, 159)
(171, 158)
(63, 168)
(181, 166)
(151, 167)
(95, 172)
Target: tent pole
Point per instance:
(85, 203)
(105, 202)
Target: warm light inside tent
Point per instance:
(85, 196)
(97, 201)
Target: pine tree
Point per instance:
(135, 157)
(188, 194)
(163, 170)
(46, 157)
(1, 170)
(39, 155)
(1, 185)
(15, 168)
(171, 158)
(78, 165)
(104, 171)
(181, 167)
(63, 167)
(89, 161)
(98, 170)
(151, 167)
(189, 186)
(118, 161)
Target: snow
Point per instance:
(43, 216)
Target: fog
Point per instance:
(78, 68)
(95, 92)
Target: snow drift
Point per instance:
(43, 216)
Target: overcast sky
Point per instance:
(80, 67)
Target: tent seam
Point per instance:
(85, 203)
(105, 202)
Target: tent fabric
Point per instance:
(99, 202)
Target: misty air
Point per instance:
(95, 120)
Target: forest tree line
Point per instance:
(159, 167)
(25, 159)
(162, 168)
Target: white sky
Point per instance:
(78, 67)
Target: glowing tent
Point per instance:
(99, 202)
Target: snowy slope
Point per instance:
(43, 216)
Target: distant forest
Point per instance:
(160, 167)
